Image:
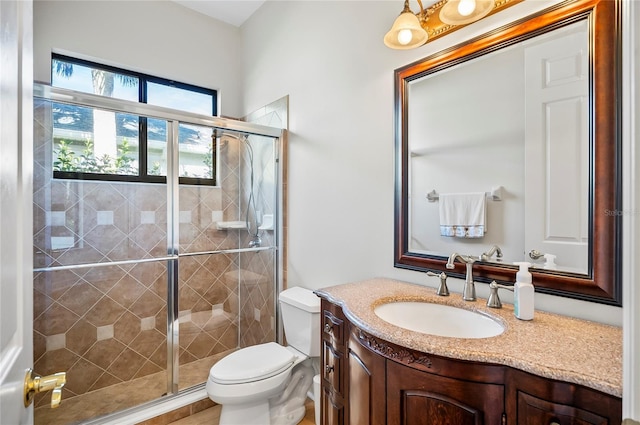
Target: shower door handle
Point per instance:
(38, 384)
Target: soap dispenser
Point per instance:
(550, 262)
(523, 293)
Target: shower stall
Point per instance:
(140, 287)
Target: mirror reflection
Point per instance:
(499, 154)
(529, 151)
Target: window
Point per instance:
(96, 144)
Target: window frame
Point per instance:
(143, 79)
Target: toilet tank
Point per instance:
(300, 310)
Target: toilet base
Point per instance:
(245, 414)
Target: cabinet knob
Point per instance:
(328, 328)
(328, 369)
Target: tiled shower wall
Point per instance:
(107, 325)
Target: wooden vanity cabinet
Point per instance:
(366, 380)
(532, 400)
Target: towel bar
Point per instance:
(494, 195)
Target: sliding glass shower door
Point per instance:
(140, 286)
(227, 264)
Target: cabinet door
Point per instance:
(415, 397)
(535, 411)
(366, 382)
(533, 400)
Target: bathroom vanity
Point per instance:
(551, 370)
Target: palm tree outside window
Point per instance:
(97, 144)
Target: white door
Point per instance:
(16, 133)
(557, 147)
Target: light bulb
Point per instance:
(466, 7)
(404, 36)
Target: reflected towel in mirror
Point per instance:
(463, 215)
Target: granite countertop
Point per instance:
(552, 346)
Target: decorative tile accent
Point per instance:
(185, 217)
(217, 216)
(147, 217)
(105, 332)
(104, 218)
(62, 242)
(56, 218)
(147, 323)
(55, 342)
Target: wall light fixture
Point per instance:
(410, 30)
(461, 12)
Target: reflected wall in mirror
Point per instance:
(528, 108)
(480, 124)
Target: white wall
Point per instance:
(328, 56)
(159, 38)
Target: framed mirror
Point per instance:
(526, 119)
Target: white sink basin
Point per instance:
(438, 319)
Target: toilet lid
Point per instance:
(252, 364)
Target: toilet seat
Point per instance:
(252, 364)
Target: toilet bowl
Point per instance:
(266, 384)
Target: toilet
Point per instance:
(267, 384)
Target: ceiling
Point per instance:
(233, 12)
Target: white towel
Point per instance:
(463, 215)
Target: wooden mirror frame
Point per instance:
(603, 282)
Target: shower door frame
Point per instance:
(173, 119)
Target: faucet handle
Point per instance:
(443, 291)
(494, 300)
(495, 249)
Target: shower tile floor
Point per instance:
(122, 396)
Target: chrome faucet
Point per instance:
(486, 256)
(469, 291)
